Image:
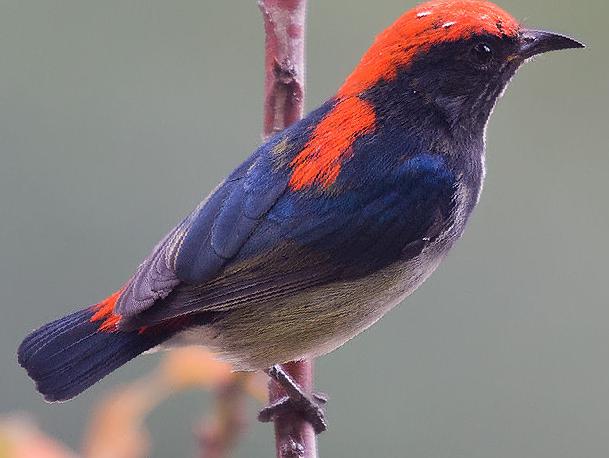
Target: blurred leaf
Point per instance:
(21, 438)
(258, 387)
(117, 427)
(193, 367)
(197, 367)
(117, 423)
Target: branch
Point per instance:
(284, 26)
(294, 436)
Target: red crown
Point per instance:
(430, 23)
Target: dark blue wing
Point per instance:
(306, 239)
(219, 230)
(195, 250)
(200, 246)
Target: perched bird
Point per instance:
(326, 226)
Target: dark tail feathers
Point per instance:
(69, 355)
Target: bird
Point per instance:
(326, 226)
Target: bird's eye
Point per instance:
(482, 53)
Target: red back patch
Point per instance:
(331, 142)
(430, 23)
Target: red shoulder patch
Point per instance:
(331, 142)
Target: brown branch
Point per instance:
(294, 436)
(284, 26)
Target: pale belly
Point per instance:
(313, 322)
(316, 321)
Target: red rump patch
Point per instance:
(104, 312)
(414, 32)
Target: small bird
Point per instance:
(327, 225)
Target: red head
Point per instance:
(417, 30)
(443, 63)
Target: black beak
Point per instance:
(534, 42)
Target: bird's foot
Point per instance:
(307, 406)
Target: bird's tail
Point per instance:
(67, 356)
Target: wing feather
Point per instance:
(350, 236)
(200, 246)
(254, 238)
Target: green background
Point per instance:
(117, 117)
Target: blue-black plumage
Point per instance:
(326, 226)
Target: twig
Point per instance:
(224, 427)
(284, 26)
(294, 437)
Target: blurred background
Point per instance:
(117, 118)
